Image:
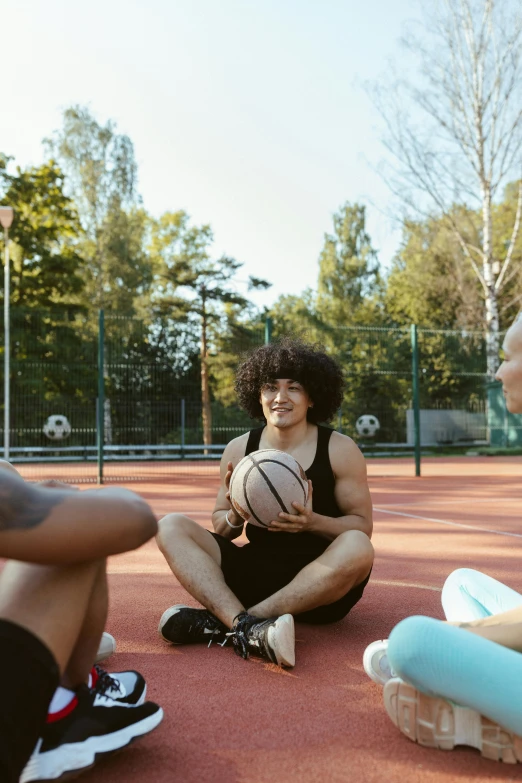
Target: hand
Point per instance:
(54, 484)
(228, 475)
(295, 523)
(234, 517)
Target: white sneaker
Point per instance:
(376, 663)
(107, 647)
(436, 723)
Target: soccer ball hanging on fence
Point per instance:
(57, 427)
(367, 426)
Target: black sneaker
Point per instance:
(127, 687)
(272, 639)
(183, 625)
(96, 726)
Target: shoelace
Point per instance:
(239, 634)
(205, 622)
(105, 682)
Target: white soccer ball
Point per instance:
(367, 426)
(57, 427)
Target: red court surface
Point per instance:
(231, 721)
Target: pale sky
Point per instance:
(249, 116)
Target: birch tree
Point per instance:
(455, 134)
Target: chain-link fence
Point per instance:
(145, 418)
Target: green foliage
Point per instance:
(430, 282)
(503, 221)
(101, 175)
(238, 332)
(45, 263)
(193, 287)
(181, 254)
(99, 164)
(348, 271)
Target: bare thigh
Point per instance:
(49, 601)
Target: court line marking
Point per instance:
(448, 522)
(390, 583)
(452, 502)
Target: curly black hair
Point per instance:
(318, 373)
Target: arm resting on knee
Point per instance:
(57, 526)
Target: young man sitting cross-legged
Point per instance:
(313, 564)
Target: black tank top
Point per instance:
(322, 477)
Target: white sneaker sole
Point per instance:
(107, 647)
(167, 614)
(72, 759)
(436, 723)
(371, 661)
(281, 638)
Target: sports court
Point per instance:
(250, 722)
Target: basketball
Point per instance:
(266, 482)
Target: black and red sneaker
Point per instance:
(92, 726)
(128, 687)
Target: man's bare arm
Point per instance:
(23, 506)
(511, 617)
(351, 494)
(59, 526)
(234, 451)
(508, 634)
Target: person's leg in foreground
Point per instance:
(52, 612)
(469, 595)
(463, 685)
(455, 688)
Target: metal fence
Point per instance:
(95, 396)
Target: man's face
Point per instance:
(285, 402)
(510, 371)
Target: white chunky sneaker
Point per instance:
(436, 723)
(107, 647)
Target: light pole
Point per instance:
(6, 218)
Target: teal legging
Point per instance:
(450, 662)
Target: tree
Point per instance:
(347, 317)
(348, 270)
(46, 266)
(101, 175)
(194, 287)
(430, 283)
(456, 135)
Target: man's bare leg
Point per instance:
(54, 603)
(344, 565)
(194, 558)
(88, 642)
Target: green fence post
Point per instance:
(415, 389)
(183, 429)
(268, 330)
(100, 408)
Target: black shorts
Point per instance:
(254, 573)
(30, 678)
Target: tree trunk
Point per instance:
(205, 390)
(491, 302)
